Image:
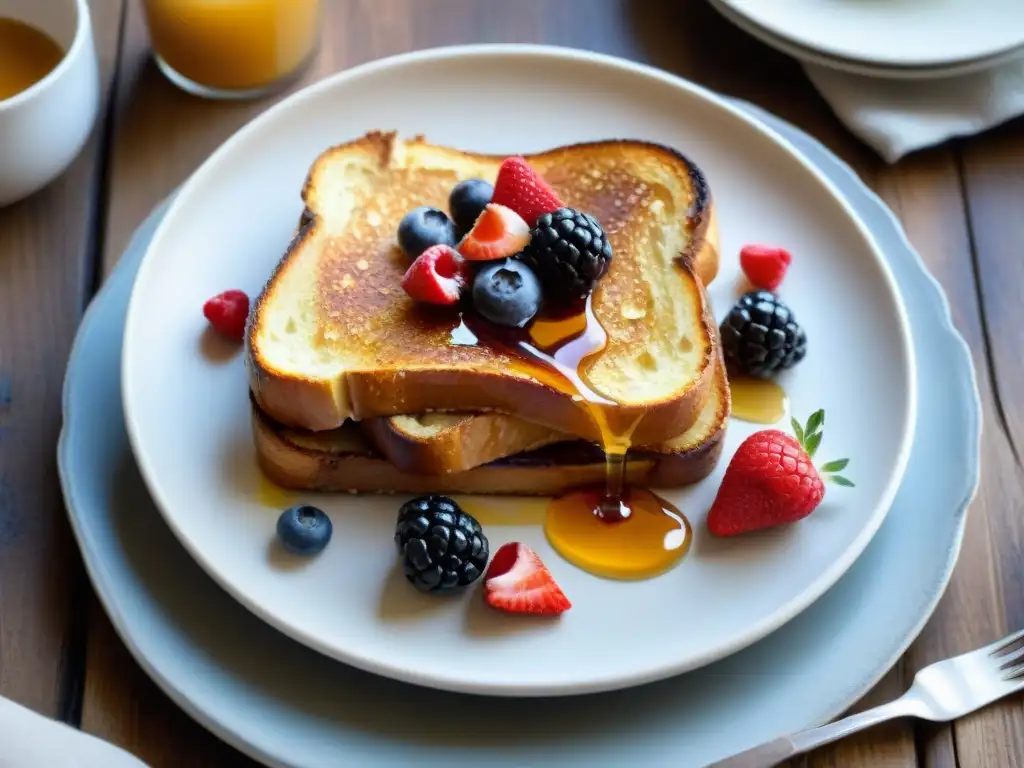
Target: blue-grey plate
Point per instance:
(284, 704)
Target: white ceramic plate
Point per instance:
(288, 706)
(856, 67)
(188, 417)
(893, 33)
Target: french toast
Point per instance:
(439, 443)
(333, 337)
(344, 460)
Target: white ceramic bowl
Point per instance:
(43, 128)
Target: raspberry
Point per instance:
(765, 266)
(227, 313)
(437, 276)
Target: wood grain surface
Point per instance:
(961, 205)
(47, 262)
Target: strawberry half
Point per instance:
(521, 188)
(437, 276)
(498, 233)
(518, 582)
(772, 480)
(765, 266)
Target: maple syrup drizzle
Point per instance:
(654, 538)
(272, 495)
(584, 525)
(759, 401)
(552, 349)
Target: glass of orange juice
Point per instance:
(232, 48)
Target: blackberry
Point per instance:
(569, 252)
(442, 547)
(760, 335)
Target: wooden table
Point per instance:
(961, 205)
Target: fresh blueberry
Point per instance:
(423, 227)
(467, 202)
(304, 530)
(507, 293)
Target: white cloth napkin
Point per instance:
(28, 740)
(898, 116)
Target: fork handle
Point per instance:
(774, 752)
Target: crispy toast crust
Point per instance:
(460, 441)
(314, 402)
(466, 441)
(343, 461)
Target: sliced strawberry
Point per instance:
(518, 582)
(437, 276)
(227, 312)
(765, 266)
(498, 233)
(521, 188)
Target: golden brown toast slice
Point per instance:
(438, 443)
(343, 460)
(333, 337)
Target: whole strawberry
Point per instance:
(772, 480)
(521, 188)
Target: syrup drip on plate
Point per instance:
(614, 531)
(760, 401)
(272, 495)
(654, 537)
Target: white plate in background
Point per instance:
(892, 33)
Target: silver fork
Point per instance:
(940, 692)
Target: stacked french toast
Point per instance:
(385, 354)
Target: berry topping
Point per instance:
(437, 276)
(498, 233)
(423, 227)
(518, 582)
(304, 530)
(467, 201)
(227, 313)
(507, 293)
(442, 547)
(760, 336)
(569, 252)
(520, 188)
(764, 265)
(772, 480)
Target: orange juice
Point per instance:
(27, 55)
(233, 46)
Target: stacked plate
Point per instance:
(901, 39)
(296, 663)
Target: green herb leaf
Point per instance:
(798, 431)
(835, 466)
(813, 441)
(840, 480)
(816, 422)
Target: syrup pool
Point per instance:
(760, 401)
(274, 496)
(646, 538)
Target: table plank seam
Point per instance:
(95, 272)
(986, 334)
(73, 657)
